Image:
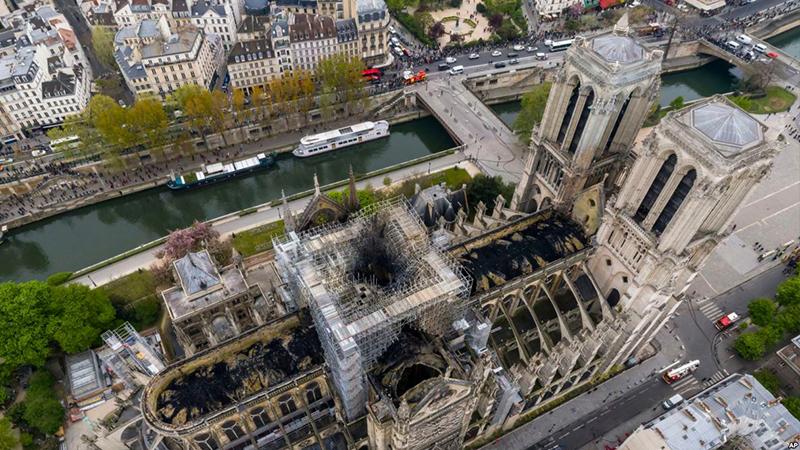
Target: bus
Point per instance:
(65, 143)
(557, 46)
(371, 73)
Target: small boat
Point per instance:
(213, 173)
(316, 144)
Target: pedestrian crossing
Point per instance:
(716, 378)
(708, 308)
(686, 384)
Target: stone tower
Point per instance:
(596, 106)
(690, 176)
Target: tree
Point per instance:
(789, 318)
(769, 380)
(8, 439)
(789, 292)
(436, 31)
(148, 121)
(43, 410)
(762, 311)
(793, 405)
(496, 21)
(103, 44)
(485, 189)
(750, 346)
(191, 239)
(340, 77)
(533, 104)
(480, 8)
(677, 103)
(259, 99)
(197, 105)
(79, 316)
(770, 334)
(24, 319)
(237, 103)
(424, 19)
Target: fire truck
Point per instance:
(726, 321)
(681, 371)
(411, 78)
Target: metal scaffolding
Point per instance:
(129, 350)
(358, 317)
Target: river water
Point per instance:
(81, 238)
(74, 240)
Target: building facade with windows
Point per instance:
(156, 61)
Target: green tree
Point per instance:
(762, 311)
(750, 346)
(770, 334)
(677, 103)
(789, 318)
(79, 316)
(789, 292)
(793, 405)
(43, 410)
(197, 105)
(769, 380)
(485, 189)
(103, 43)
(111, 121)
(340, 77)
(237, 103)
(533, 104)
(24, 317)
(8, 439)
(148, 121)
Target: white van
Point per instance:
(744, 39)
(672, 402)
(733, 45)
(457, 70)
(541, 56)
(760, 48)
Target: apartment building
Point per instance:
(156, 60)
(313, 38)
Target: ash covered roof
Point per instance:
(222, 376)
(519, 248)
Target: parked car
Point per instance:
(760, 48)
(450, 60)
(673, 401)
(474, 56)
(392, 30)
(541, 56)
(531, 49)
(499, 65)
(744, 39)
(513, 61)
(38, 152)
(497, 53)
(726, 321)
(513, 55)
(519, 47)
(443, 66)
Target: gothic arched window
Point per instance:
(582, 119)
(573, 100)
(313, 393)
(617, 123)
(674, 202)
(206, 441)
(655, 188)
(232, 430)
(287, 405)
(259, 416)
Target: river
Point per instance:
(74, 240)
(789, 42)
(78, 239)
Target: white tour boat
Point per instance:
(343, 137)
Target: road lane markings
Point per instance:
(592, 419)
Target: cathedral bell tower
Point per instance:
(690, 176)
(596, 106)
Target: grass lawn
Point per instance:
(453, 177)
(777, 99)
(258, 239)
(135, 298)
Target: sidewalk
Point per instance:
(558, 419)
(232, 223)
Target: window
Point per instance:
(232, 430)
(287, 405)
(313, 393)
(655, 188)
(608, 262)
(206, 442)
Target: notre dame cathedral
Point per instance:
(477, 318)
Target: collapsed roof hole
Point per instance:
(375, 262)
(414, 375)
